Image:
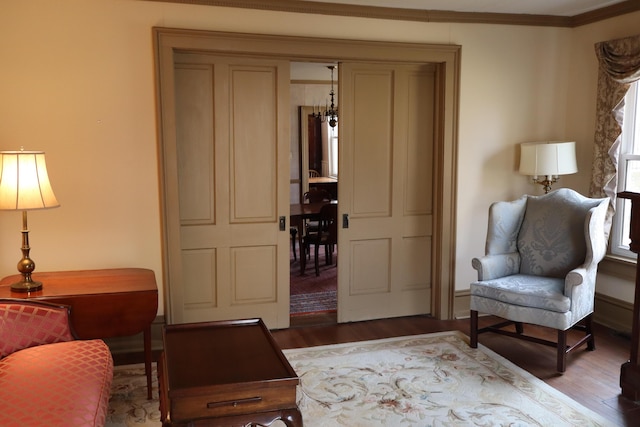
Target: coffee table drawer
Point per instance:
(224, 403)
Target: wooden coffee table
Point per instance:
(225, 374)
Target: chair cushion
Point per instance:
(63, 384)
(525, 290)
(551, 241)
(25, 325)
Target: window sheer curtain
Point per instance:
(619, 67)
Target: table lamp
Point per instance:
(24, 185)
(546, 161)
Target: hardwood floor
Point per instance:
(592, 378)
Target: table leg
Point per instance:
(147, 359)
(290, 417)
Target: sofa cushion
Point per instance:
(63, 384)
(25, 325)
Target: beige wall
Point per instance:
(77, 80)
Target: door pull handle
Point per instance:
(345, 220)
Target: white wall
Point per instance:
(77, 80)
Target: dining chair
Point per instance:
(315, 195)
(326, 235)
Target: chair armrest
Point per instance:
(580, 287)
(494, 266)
(575, 277)
(26, 324)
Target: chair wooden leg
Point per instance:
(317, 263)
(562, 351)
(591, 342)
(304, 248)
(294, 233)
(473, 329)
(519, 328)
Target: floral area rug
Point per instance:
(426, 380)
(421, 380)
(128, 404)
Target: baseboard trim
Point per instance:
(613, 313)
(610, 312)
(461, 300)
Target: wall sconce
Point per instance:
(24, 185)
(546, 161)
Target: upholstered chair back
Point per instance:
(551, 241)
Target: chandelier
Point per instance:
(329, 114)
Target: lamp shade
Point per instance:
(24, 183)
(548, 158)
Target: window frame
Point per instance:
(629, 151)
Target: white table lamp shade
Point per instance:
(548, 158)
(24, 182)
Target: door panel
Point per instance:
(196, 180)
(253, 144)
(232, 127)
(386, 189)
(372, 143)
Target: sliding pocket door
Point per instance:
(386, 190)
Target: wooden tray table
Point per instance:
(225, 374)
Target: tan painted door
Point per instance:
(232, 145)
(386, 170)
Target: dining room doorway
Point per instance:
(208, 287)
(314, 166)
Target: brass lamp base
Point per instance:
(546, 182)
(26, 264)
(26, 286)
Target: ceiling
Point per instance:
(528, 7)
(553, 13)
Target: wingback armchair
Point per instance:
(542, 254)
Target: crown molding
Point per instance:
(618, 9)
(401, 14)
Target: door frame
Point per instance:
(167, 41)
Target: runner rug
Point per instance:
(421, 380)
(311, 294)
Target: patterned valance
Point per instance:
(619, 66)
(620, 59)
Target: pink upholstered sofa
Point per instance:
(46, 377)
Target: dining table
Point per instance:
(298, 214)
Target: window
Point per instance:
(333, 152)
(628, 172)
